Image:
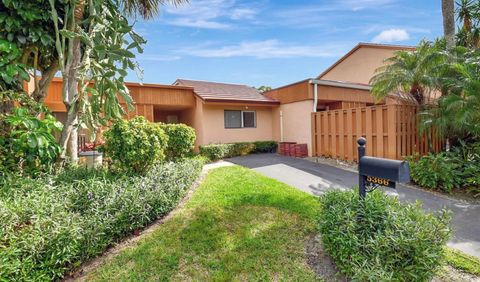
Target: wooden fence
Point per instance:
(390, 130)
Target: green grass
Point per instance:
(238, 225)
(462, 261)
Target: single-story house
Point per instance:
(223, 112)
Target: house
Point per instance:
(219, 112)
(343, 85)
(327, 113)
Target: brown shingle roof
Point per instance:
(225, 92)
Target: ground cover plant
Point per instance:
(381, 239)
(53, 223)
(238, 225)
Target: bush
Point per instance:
(240, 149)
(52, 224)
(435, 171)
(381, 239)
(27, 143)
(447, 170)
(135, 145)
(265, 146)
(219, 151)
(181, 140)
(215, 151)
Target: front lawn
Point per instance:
(238, 225)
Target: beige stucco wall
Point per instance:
(296, 123)
(360, 66)
(214, 130)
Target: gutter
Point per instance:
(317, 82)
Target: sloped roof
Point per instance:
(368, 45)
(225, 92)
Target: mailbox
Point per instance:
(392, 170)
(375, 172)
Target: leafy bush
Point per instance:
(135, 145)
(52, 224)
(215, 151)
(265, 146)
(381, 239)
(181, 140)
(228, 150)
(220, 151)
(435, 170)
(447, 170)
(240, 149)
(27, 143)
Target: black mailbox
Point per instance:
(393, 170)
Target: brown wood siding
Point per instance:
(390, 130)
(331, 93)
(299, 91)
(145, 97)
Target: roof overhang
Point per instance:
(342, 84)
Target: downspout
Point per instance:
(281, 126)
(315, 95)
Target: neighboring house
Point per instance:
(223, 113)
(343, 85)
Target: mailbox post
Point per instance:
(361, 179)
(375, 172)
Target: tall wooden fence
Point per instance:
(390, 130)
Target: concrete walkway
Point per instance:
(315, 178)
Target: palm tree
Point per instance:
(467, 13)
(408, 72)
(458, 113)
(448, 13)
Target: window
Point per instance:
(233, 119)
(249, 119)
(240, 119)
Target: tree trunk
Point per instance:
(71, 103)
(448, 13)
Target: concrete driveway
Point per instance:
(315, 178)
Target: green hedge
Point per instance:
(228, 150)
(382, 239)
(54, 223)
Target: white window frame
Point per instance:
(242, 124)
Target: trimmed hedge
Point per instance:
(135, 145)
(52, 224)
(381, 239)
(219, 151)
(181, 140)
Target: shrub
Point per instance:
(52, 224)
(181, 140)
(381, 239)
(219, 151)
(240, 149)
(435, 170)
(135, 145)
(447, 170)
(265, 146)
(215, 151)
(27, 143)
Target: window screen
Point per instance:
(248, 119)
(233, 119)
